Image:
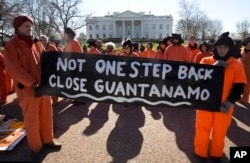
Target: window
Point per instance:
(90, 27)
(97, 35)
(160, 26)
(110, 27)
(90, 36)
(167, 26)
(104, 36)
(103, 27)
(97, 27)
(153, 26)
(110, 36)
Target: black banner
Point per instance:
(131, 80)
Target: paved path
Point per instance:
(102, 133)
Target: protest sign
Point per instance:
(131, 80)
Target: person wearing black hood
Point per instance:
(159, 53)
(216, 124)
(176, 51)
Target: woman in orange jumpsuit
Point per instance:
(22, 62)
(217, 123)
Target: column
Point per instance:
(132, 32)
(142, 29)
(123, 29)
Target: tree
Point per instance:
(8, 9)
(214, 28)
(243, 27)
(195, 22)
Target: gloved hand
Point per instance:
(224, 108)
(36, 87)
(220, 63)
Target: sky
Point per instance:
(229, 12)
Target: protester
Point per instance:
(93, 47)
(176, 51)
(110, 48)
(99, 46)
(135, 48)
(127, 49)
(159, 53)
(142, 47)
(215, 124)
(167, 41)
(49, 47)
(192, 48)
(72, 45)
(22, 61)
(3, 87)
(204, 52)
(149, 52)
(246, 63)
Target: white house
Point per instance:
(129, 24)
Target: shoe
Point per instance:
(37, 156)
(53, 145)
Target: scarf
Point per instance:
(27, 39)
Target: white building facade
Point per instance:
(129, 24)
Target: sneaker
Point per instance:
(53, 145)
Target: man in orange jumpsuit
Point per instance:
(149, 52)
(22, 62)
(72, 46)
(217, 123)
(93, 48)
(192, 48)
(3, 88)
(176, 51)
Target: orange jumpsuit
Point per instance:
(3, 88)
(201, 55)
(176, 53)
(148, 54)
(23, 64)
(9, 83)
(73, 46)
(192, 53)
(94, 51)
(217, 122)
(246, 63)
(159, 54)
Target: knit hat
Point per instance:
(178, 37)
(20, 19)
(69, 31)
(224, 39)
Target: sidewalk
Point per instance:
(115, 133)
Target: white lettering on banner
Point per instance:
(77, 84)
(201, 74)
(114, 67)
(138, 89)
(70, 64)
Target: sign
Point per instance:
(9, 138)
(131, 80)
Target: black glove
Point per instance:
(224, 108)
(220, 63)
(36, 87)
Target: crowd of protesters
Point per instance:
(20, 73)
